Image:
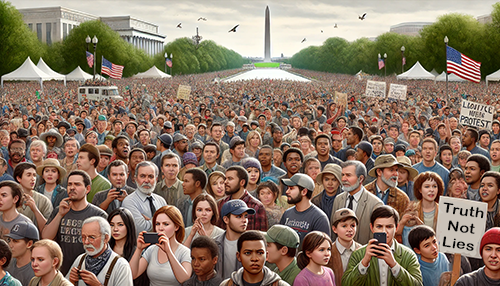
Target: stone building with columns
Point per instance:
(53, 24)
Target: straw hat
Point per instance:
(333, 169)
(53, 133)
(51, 163)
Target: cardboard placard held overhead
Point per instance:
(476, 114)
(461, 225)
(397, 91)
(184, 92)
(375, 89)
(341, 99)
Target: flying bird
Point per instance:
(362, 17)
(234, 29)
(303, 40)
(335, 25)
(321, 31)
(179, 25)
(202, 18)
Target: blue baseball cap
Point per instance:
(236, 207)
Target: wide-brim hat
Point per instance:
(51, 163)
(384, 161)
(412, 173)
(333, 169)
(52, 133)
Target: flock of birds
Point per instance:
(233, 29)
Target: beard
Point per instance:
(295, 200)
(147, 191)
(94, 250)
(230, 191)
(349, 189)
(390, 181)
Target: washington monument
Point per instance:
(267, 38)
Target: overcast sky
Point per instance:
(291, 20)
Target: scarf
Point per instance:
(95, 265)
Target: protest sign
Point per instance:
(375, 89)
(476, 114)
(397, 91)
(184, 92)
(341, 99)
(461, 225)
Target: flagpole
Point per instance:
(446, 43)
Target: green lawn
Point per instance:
(267, 65)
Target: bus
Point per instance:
(98, 93)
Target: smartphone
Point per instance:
(119, 190)
(151, 237)
(381, 237)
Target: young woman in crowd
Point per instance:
(167, 262)
(457, 187)
(254, 170)
(445, 156)
(269, 194)
(52, 173)
(312, 167)
(91, 137)
(378, 145)
(205, 215)
(46, 258)
(122, 240)
(253, 143)
(315, 254)
(215, 186)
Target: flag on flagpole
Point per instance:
(90, 59)
(381, 64)
(462, 66)
(169, 62)
(109, 68)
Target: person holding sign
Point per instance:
(383, 261)
(490, 252)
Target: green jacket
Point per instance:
(408, 275)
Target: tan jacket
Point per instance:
(397, 198)
(335, 263)
(59, 280)
(367, 203)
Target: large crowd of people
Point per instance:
(258, 182)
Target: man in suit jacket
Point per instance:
(356, 198)
(386, 171)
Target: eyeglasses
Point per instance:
(91, 238)
(17, 149)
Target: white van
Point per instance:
(98, 93)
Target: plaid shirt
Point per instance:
(258, 221)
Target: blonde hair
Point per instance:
(53, 248)
(250, 135)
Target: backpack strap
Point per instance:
(81, 261)
(110, 269)
(276, 283)
(230, 282)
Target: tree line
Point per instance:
(476, 40)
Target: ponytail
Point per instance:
(302, 260)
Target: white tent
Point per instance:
(493, 77)
(78, 75)
(451, 77)
(46, 69)
(416, 72)
(153, 72)
(27, 72)
(434, 72)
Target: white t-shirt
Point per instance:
(161, 273)
(230, 249)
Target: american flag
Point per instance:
(90, 59)
(381, 64)
(169, 62)
(462, 65)
(109, 68)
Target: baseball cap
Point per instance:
(343, 213)
(301, 180)
(165, 138)
(179, 137)
(283, 235)
(234, 141)
(101, 118)
(22, 230)
(235, 207)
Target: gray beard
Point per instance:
(95, 251)
(389, 181)
(352, 188)
(146, 191)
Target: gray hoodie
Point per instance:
(269, 278)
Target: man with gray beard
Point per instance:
(99, 260)
(357, 198)
(386, 171)
(143, 203)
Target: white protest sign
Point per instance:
(397, 91)
(184, 92)
(476, 114)
(461, 225)
(375, 89)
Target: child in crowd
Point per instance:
(282, 244)
(21, 239)
(432, 262)
(316, 251)
(269, 194)
(204, 256)
(344, 225)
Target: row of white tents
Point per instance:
(41, 72)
